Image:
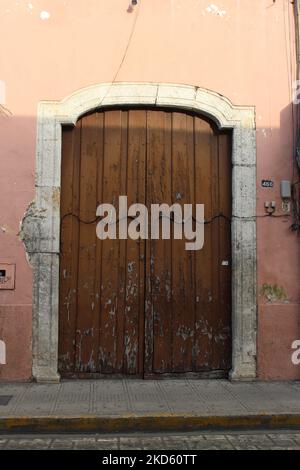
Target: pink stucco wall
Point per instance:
(246, 52)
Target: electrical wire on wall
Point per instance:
(4, 112)
(131, 9)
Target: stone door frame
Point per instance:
(41, 224)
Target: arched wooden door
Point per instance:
(144, 308)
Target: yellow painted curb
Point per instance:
(133, 423)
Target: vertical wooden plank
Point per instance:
(69, 247)
(142, 182)
(122, 247)
(182, 193)
(86, 340)
(163, 314)
(98, 264)
(110, 248)
(215, 240)
(203, 277)
(134, 309)
(191, 255)
(151, 138)
(159, 251)
(223, 332)
(65, 349)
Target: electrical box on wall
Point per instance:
(286, 189)
(7, 276)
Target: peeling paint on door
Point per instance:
(146, 307)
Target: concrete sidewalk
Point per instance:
(137, 405)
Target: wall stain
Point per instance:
(273, 293)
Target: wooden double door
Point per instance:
(145, 308)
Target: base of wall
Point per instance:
(278, 328)
(16, 332)
(236, 377)
(46, 377)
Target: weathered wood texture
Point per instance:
(135, 307)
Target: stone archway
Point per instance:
(41, 224)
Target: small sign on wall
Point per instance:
(267, 184)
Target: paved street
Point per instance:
(283, 440)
